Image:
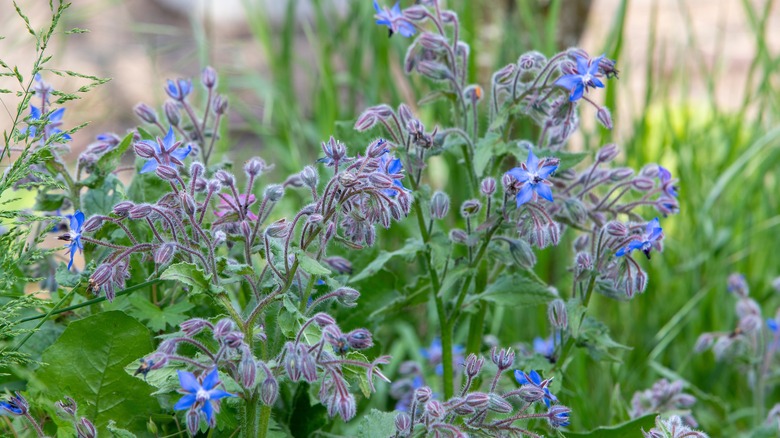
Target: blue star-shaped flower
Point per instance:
(203, 398)
(533, 176)
(653, 234)
(178, 89)
(16, 405)
(74, 235)
(394, 20)
(534, 379)
(54, 121)
(667, 184)
(392, 167)
(167, 150)
(585, 76)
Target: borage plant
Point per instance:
(252, 291)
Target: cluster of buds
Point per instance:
(487, 410)
(664, 397)
(68, 410)
(328, 360)
(89, 158)
(672, 427)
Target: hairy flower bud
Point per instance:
(347, 296)
(380, 180)
(192, 327)
(220, 105)
(278, 230)
(470, 208)
(473, 93)
(423, 394)
(269, 390)
(193, 421)
(440, 205)
(223, 327)
(234, 339)
(85, 429)
(608, 153)
(616, 229)
(403, 423)
(737, 285)
(522, 253)
(488, 186)
(93, 224)
(473, 365)
(557, 314)
(309, 176)
(458, 236)
(139, 211)
(558, 415)
(144, 150)
(478, 400)
(145, 113)
(434, 409)
(323, 319)
(166, 173)
(620, 174)
(377, 148)
(164, 254)
(338, 264)
(359, 339)
(247, 370)
(498, 404)
(209, 77)
(274, 192)
(604, 117)
(172, 113)
(642, 184)
(254, 167)
(503, 358)
(225, 178)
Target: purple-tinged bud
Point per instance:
(503, 358)
(478, 400)
(193, 421)
(172, 113)
(415, 13)
(531, 60)
(473, 93)
(747, 307)
(370, 235)
(200, 185)
(220, 105)
(435, 409)
(620, 174)
(433, 42)
(558, 415)
(247, 370)
(642, 184)
(307, 364)
(274, 192)
(323, 319)
(604, 117)
(255, 167)
(291, 362)
(458, 236)
(166, 173)
(423, 394)
(616, 229)
(459, 406)
(209, 77)
(219, 237)
(68, 407)
(278, 230)
(269, 390)
(448, 16)
(144, 150)
(93, 224)
(188, 203)
(145, 113)
(470, 208)
(225, 178)
(347, 179)
(223, 327)
(403, 423)
(234, 339)
(167, 347)
(139, 211)
(366, 121)
(557, 314)
(347, 296)
(164, 254)
(338, 264)
(522, 253)
(508, 183)
(330, 231)
(434, 70)
(488, 186)
(309, 176)
(583, 262)
(607, 66)
(704, 342)
(498, 404)
(607, 153)
(85, 429)
(380, 180)
(650, 171)
(473, 365)
(737, 285)
(504, 75)
(192, 327)
(359, 339)
(196, 169)
(406, 116)
(440, 205)
(246, 229)
(213, 186)
(377, 148)
(404, 200)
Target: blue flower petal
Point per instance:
(593, 70)
(520, 377)
(519, 174)
(208, 410)
(182, 152)
(544, 191)
(211, 380)
(185, 402)
(582, 65)
(569, 81)
(35, 113)
(188, 381)
(216, 394)
(149, 166)
(525, 194)
(576, 93)
(56, 116)
(532, 163)
(547, 170)
(535, 377)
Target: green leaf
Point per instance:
(119, 432)
(410, 249)
(158, 318)
(49, 201)
(377, 424)
(102, 200)
(594, 335)
(87, 363)
(310, 265)
(515, 290)
(486, 148)
(629, 428)
(189, 274)
(107, 163)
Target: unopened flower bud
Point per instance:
(470, 208)
(85, 429)
(166, 173)
(209, 77)
(192, 327)
(474, 93)
(68, 407)
(433, 70)
(557, 314)
(380, 180)
(434, 409)
(338, 264)
(309, 176)
(220, 105)
(269, 390)
(247, 371)
(93, 224)
(488, 186)
(440, 205)
(403, 423)
(737, 285)
(377, 148)
(642, 184)
(225, 178)
(458, 236)
(616, 229)
(347, 296)
(223, 327)
(172, 113)
(255, 167)
(522, 253)
(473, 365)
(359, 339)
(498, 404)
(144, 150)
(139, 211)
(423, 394)
(365, 121)
(503, 358)
(188, 203)
(278, 229)
(200, 185)
(583, 262)
(193, 421)
(604, 117)
(145, 113)
(323, 319)
(164, 254)
(167, 347)
(704, 342)
(196, 169)
(620, 174)
(558, 415)
(575, 210)
(274, 192)
(219, 237)
(607, 153)
(478, 400)
(504, 75)
(213, 186)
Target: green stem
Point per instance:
(44, 318)
(566, 350)
(252, 424)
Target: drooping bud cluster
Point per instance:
(664, 397)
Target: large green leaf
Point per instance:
(515, 290)
(310, 265)
(87, 363)
(189, 274)
(629, 428)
